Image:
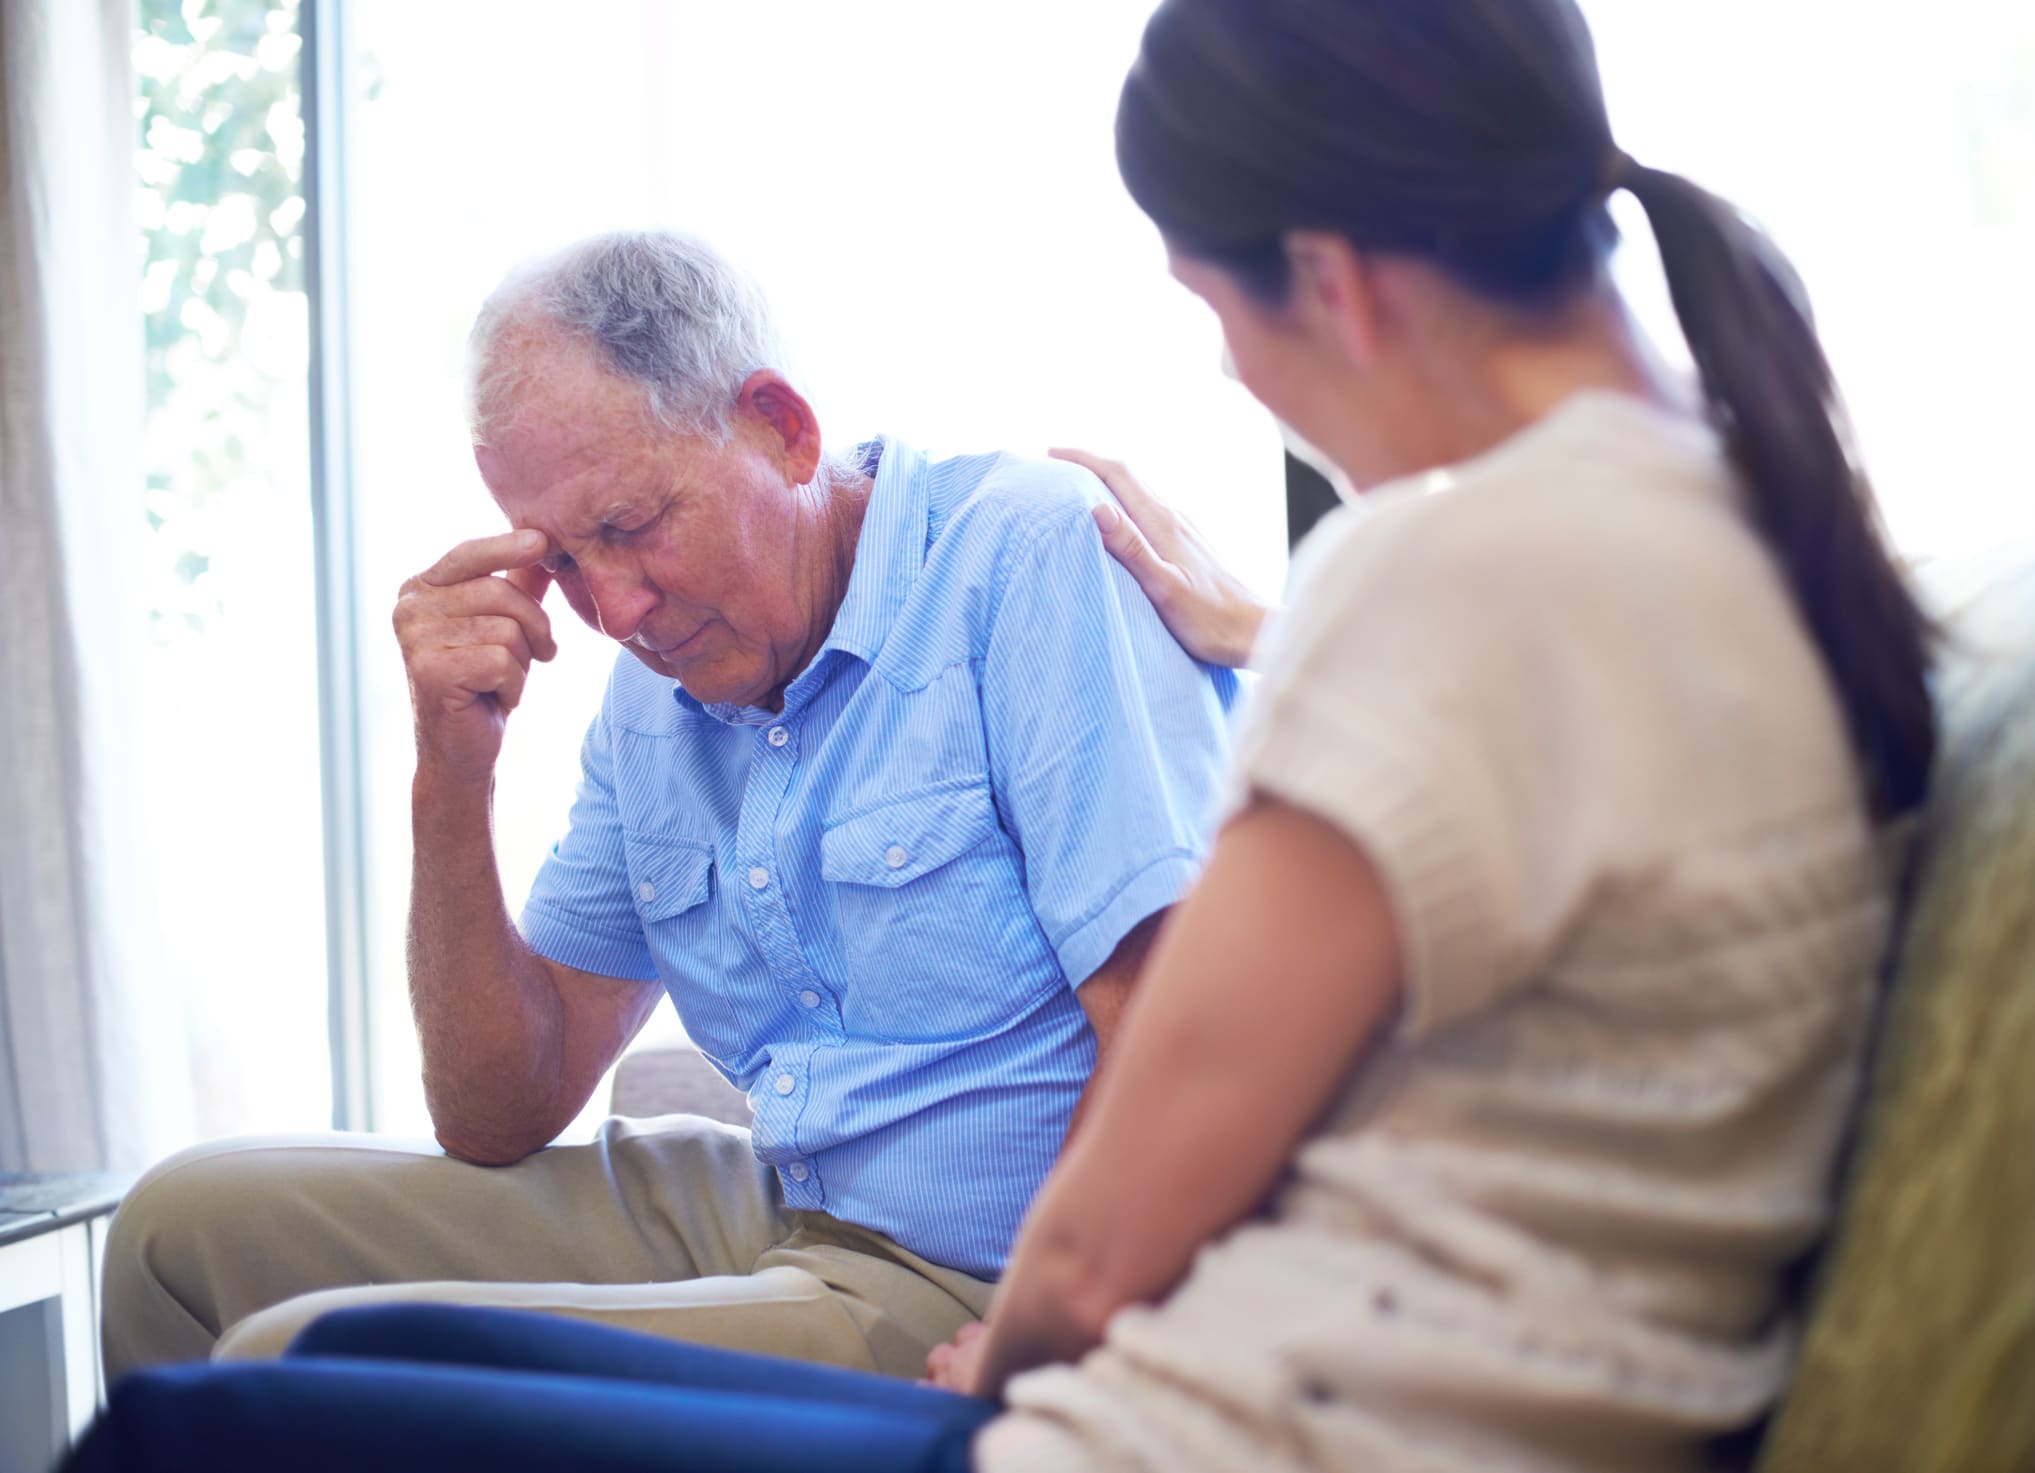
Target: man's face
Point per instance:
(684, 551)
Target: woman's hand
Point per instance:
(957, 1365)
(1215, 618)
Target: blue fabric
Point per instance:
(520, 1340)
(872, 908)
(402, 1387)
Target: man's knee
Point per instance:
(267, 1333)
(181, 1229)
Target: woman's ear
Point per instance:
(1334, 293)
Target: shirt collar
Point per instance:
(889, 552)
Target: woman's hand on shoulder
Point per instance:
(1207, 608)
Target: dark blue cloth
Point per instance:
(396, 1388)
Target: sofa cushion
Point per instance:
(1920, 1348)
(673, 1078)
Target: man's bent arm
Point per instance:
(1106, 995)
(513, 1043)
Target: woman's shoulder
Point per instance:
(1606, 507)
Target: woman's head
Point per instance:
(1267, 138)
(1344, 180)
(1470, 133)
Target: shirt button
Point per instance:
(785, 1084)
(778, 736)
(809, 998)
(895, 856)
(646, 892)
(798, 1171)
(759, 878)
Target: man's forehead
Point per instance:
(570, 479)
(569, 430)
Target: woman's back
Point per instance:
(1567, 707)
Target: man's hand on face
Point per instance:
(470, 625)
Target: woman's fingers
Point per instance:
(1145, 509)
(1129, 546)
(1208, 609)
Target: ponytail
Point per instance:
(1772, 395)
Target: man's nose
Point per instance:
(622, 599)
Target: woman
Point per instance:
(1478, 1098)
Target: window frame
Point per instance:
(325, 59)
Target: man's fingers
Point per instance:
(532, 582)
(463, 674)
(484, 555)
(495, 629)
(423, 607)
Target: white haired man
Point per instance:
(888, 797)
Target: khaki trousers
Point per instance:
(668, 1226)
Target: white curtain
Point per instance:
(93, 1069)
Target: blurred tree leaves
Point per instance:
(219, 162)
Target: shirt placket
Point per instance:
(788, 1083)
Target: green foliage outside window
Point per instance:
(220, 204)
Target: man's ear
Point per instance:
(767, 398)
(1335, 293)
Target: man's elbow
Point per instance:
(1106, 996)
(486, 1150)
(488, 1138)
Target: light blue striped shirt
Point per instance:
(869, 908)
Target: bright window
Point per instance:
(1890, 149)
(228, 695)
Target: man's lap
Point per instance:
(656, 1224)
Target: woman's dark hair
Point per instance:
(1472, 134)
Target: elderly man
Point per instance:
(888, 795)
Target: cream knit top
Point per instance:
(1561, 698)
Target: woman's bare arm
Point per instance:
(1264, 989)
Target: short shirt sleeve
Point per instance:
(581, 912)
(1426, 695)
(1107, 743)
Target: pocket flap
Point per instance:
(667, 876)
(898, 842)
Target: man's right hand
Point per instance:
(470, 625)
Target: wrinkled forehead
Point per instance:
(569, 459)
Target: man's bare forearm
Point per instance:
(488, 1013)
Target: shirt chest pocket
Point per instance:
(671, 882)
(935, 926)
(667, 877)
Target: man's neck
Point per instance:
(831, 529)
